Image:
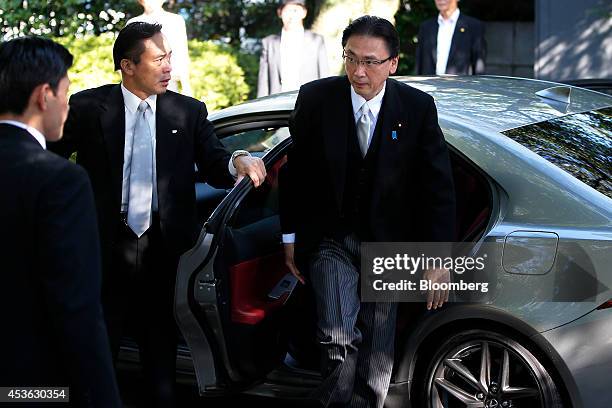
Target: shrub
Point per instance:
(215, 74)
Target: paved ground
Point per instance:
(130, 384)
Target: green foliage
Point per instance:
(54, 18)
(216, 77)
(93, 61)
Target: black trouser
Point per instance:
(138, 296)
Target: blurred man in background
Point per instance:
(294, 57)
(452, 43)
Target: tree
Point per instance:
(55, 18)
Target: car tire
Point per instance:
(481, 368)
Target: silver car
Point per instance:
(532, 163)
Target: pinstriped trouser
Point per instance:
(357, 339)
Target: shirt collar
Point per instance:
(40, 138)
(374, 104)
(132, 101)
(451, 20)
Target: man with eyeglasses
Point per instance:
(375, 151)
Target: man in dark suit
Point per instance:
(293, 57)
(139, 145)
(53, 329)
(452, 43)
(375, 151)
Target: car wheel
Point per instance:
(479, 368)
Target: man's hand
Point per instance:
(290, 262)
(252, 167)
(436, 298)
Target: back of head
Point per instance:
(373, 26)
(129, 43)
(26, 63)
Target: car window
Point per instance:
(256, 140)
(580, 144)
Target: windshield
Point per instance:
(580, 144)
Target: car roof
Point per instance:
(495, 102)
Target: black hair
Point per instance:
(373, 26)
(26, 63)
(129, 42)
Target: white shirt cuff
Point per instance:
(230, 165)
(289, 238)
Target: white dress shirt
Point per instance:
(131, 103)
(357, 101)
(446, 28)
(291, 52)
(40, 138)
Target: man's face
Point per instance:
(368, 81)
(446, 5)
(292, 15)
(152, 74)
(57, 111)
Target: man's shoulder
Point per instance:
(325, 85)
(430, 23)
(179, 101)
(271, 38)
(94, 94)
(313, 36)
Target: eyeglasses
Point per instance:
(368, 63)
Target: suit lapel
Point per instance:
(389, 119)
(457, 37)
(276, 40)
(433, 38)
(112, 121)
(335, 135)
(167, 134)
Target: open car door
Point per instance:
(232, 287)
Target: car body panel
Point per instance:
(530, 196)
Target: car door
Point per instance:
(232, 287)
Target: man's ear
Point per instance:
(127, 67)
(39, 96)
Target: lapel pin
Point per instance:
(174, 131)
(462, 29)
(394, 135)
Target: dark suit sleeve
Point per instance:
(479, 49)
(289, 176)
(436, 180)
(210, 155)
(263, 85)
(69, 251)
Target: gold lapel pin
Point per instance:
(462, 30)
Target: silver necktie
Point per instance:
(363, 129)
(141, 174)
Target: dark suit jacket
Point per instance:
(53, 331)
(95, 129)
(314, 64)
(413, 195)
(467, 53)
